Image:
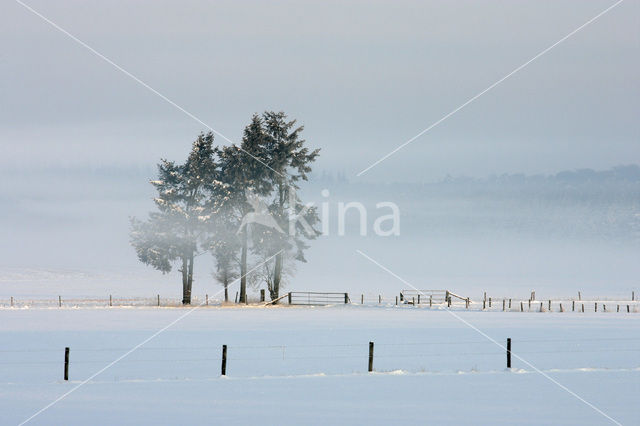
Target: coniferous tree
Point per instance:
(245, 171)
(185, 210)
(290, 162)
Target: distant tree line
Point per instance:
(202, 206)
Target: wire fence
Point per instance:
(299, 359)
(414, 299)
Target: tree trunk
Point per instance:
(277, 274)
(243, 266)
(186, 299)
(226, 287)
(189, 278)
(277, 270)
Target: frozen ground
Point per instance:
(308, 366)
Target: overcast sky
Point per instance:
(362, 76)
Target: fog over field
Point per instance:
(66, 231)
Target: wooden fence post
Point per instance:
(583, 307)
(595, 307)
(430, 300)
(541, 307)
(66, 363)
(60, 301)
(579, 296)
(362, 299)
(485, 296)
(484, 304)
(489, 302)
(346, 298)
(573, 305)
(627, 308)
(561, 310)
(633, 296)
(521, 306)
(158, 300)
(509, 352)
(449, 302)
(379, 299)
(12, 301)
(110, 300)
(617, 308)
(418, 299)
(467, 303)
(262, 294)
(289, 297)
(370, 357)
(549, 305)
(224, 360)
(206, 298)
(509, 303)
(396, 300)
(236, 301)
(529, 304)
(503, 302)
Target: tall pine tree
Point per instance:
(290, 162)
(185, 210)
(244, 171)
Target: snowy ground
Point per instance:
(308, 365)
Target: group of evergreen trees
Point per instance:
(201, 205)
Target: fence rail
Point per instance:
(316, 298)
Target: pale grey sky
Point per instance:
(362, 76)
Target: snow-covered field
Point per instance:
(304, 365)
